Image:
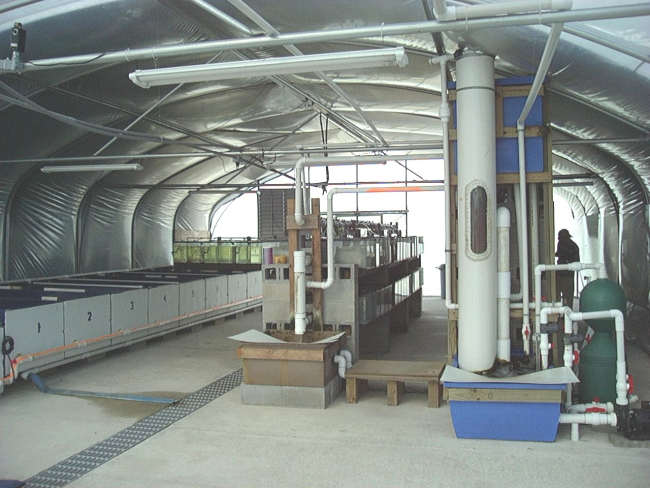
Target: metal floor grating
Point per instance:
(78, 465)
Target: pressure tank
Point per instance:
(598, 359)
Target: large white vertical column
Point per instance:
(477, 255)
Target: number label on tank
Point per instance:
(132, 305)
(90, 316)
(39, 328)
(165, 299)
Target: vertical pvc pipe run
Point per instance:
(542, 69)
(523, 242)
(534, 229)
(298, 197)
(300, 294)
(544, 343)
(445, 117)
(622, 386)
(503, 284)
(477, 260)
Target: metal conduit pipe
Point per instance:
(445, 116)
(227, 19)
(464, 12)
(542, 69)
(155, 52)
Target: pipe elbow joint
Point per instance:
(341, 362)
(348, 357)
(448, 16)
(561, 4)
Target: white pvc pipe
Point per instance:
(330, 222)
(543, 343)
(522, 234)
(300, 294)
(342, 362)
(446, 13)
(542, 69)
(519, 306)
(476, 253)
(298, 197)
(540, 268)
(622, 385)
(521, 221)
(575, 419)
(348, 357)
(543, 338)
(583, 407)
(589, 418)
(503, 284)
(534, 227)
(307, 162)
(445, 116)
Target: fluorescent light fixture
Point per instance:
(221, 192)
(91, 167)
(350, 60)
(353, 160)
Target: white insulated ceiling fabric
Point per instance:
(54, 224)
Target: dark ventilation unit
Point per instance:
(272, 213)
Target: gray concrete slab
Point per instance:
(226, 443)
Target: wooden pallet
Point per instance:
(395, 374)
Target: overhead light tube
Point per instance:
(91, 167)
(371, 58)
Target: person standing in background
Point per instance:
(567, 252)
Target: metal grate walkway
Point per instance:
(78, 465)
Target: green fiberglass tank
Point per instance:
(598, 359)
(602, 295)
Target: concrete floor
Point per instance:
(226, 443)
